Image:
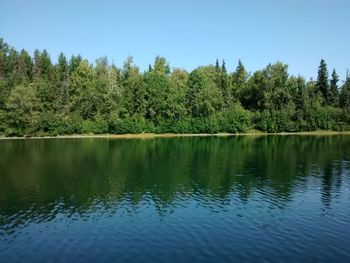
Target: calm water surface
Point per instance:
(269, 198)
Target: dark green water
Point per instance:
(272, 198)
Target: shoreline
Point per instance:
(175, 135)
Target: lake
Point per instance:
(193, 199)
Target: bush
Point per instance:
(182, 126)
(132, 124)
(96, 126)
(326, 118)
(71, 124)
(235, 120)
(274, 121)
(49, 124)
(2, 122)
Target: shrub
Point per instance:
(236, 119)
(274, 121)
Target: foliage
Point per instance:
(333, 96)
(39, 97)
(345, 94)
(322, 84)
(22, 108)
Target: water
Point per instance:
(269, 198)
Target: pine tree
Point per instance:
(217, 74)
(37, 64)
(62, 67)
(23, 68)
(46, 65)
(345, 94)
(240, 77)
(3, 58)
(322, 85)
(74, 63)
(224, 85)
(62, 85)
(217, 66)
(333, 97)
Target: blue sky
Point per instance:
(188, 33)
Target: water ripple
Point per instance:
(262, 199)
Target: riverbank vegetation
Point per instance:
(73, 96)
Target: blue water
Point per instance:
(269, 198)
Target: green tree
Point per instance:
(204, 97)
(42, 67)
(83, 94)
(5, 67)
(158, 92)
(300, 95)
(133, 89)
(61, 85)
(158, 88)
(23, 68)
(112, 98)
(4, 49)
(333, 97)
(239, 81)
(268, 89)
(22, 111)
(322, 85)
(224, 86)
(345, 94)
(74, 63)
(161, 66)
(179, 80)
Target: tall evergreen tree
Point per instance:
(3, 58)
(224, 85)
(23, 69)
(345, 94)
(37, 64)
(46, 65)
(217, 66)
(217, 74)
(62, 67)
(322, 85)
(74, 63)
(239, 80)
(62, 84)
(333, 97)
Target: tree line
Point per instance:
(73, 96)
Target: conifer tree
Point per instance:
(345, 94)
(333, 97)
(322, 85)
(239, 80)
(224, 85)
(23, 69)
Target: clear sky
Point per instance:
(188, 33)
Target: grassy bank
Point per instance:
(172, 135)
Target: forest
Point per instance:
(74, 96)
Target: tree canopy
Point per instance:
(40, 97)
